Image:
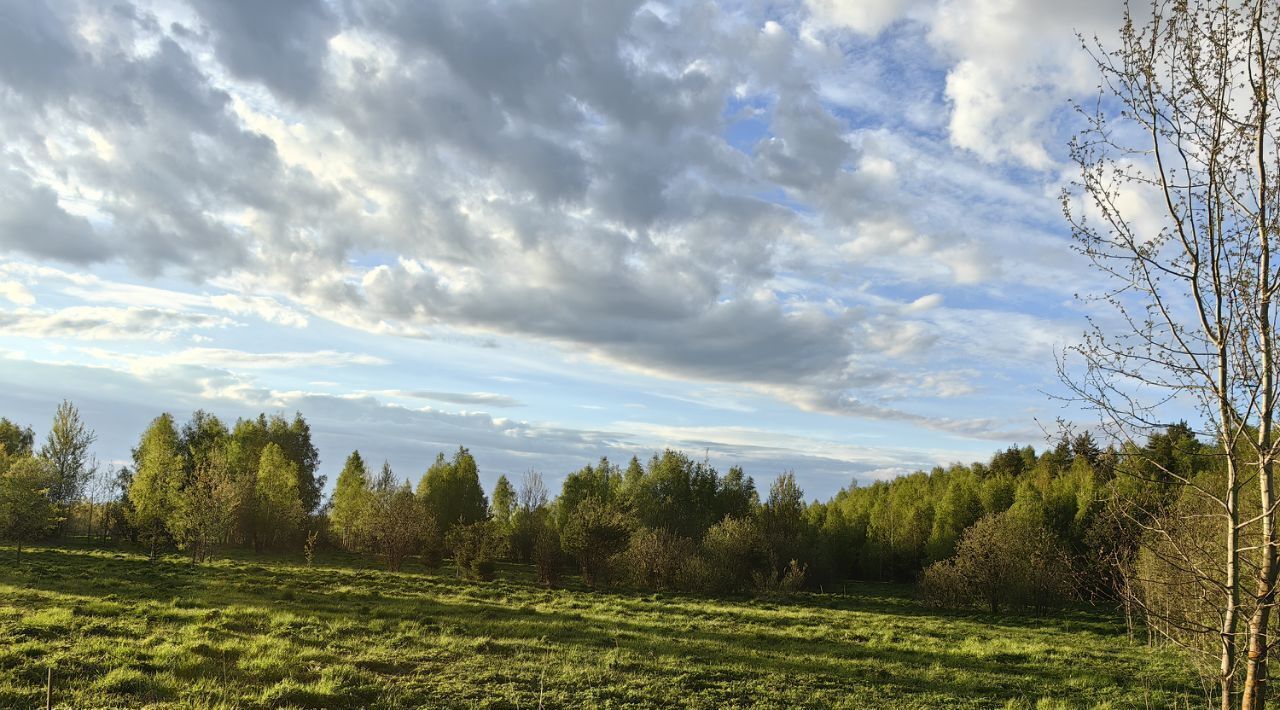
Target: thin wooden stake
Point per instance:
(48, 691)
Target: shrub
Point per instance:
(735, 550)
(783, 582)
(474, 546)
(654, 557)
(1004, 560)
(694, 574)
(433, 548)
(398, 523)
(309, 547)
(26, 512)
(525, 526)
(546, 554)
(594, 534)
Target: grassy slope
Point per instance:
(120, 631)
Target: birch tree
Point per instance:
(1175, 207)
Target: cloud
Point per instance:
(842, 404)
(1003, 88)
(15, 292)
(864, 17)
(281, 43)
(264, 307)
(226, 358)
(1010, 66)
(824, 466)
(118, 404)
(692, 191)
(486, 399)
(105, 323)
(32, 221)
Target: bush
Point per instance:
(694, 574)
(784, 582)
(1004, 560)
(546, 554)
(654, 559)
(735, 551)
(398, 525)
(475, 546)
(433, 547)
(594, 534)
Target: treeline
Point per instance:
(673, 523)
(195, 487)
(1024, 529)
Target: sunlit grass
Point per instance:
(121, 631)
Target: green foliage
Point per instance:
(602, 482)
(67, 450)
(157, 481)
(502, 513)
(26, 511)
(504, 503)
(205, 513)
(783, 523)
(1005, 560)
(676, 494)
(451, 491)
(530, 517)
(548, 560)
(737, 496)
(278, 509)
(892, 530)
(595, 532)
(309, 546)
(16, 440)
(397, 523)
(350, 502)
(736, 551)
(433, 548)
(475, 547)
(960, 507)
(658, 559)
(780, 582)
(203, 437)
(293, 437)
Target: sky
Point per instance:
(813, 235)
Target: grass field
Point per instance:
(120, 631)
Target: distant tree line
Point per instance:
(1023, 530)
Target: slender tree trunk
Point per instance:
(1255, 690)
(1230, 616)
(1255, 680)
(1226, 669)
(1229, 621)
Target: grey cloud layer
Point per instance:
(119, 403)
(557, 169)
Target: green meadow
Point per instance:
(251, 632)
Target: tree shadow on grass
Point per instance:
(700, 644)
